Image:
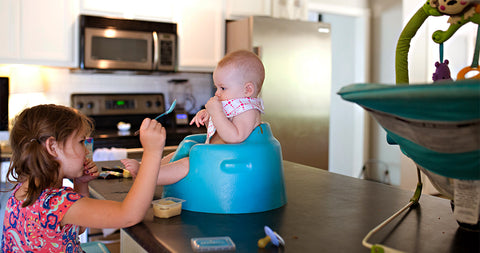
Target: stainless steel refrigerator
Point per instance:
(297, 88)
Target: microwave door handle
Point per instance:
(155, 50)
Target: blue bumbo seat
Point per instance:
(231, 178)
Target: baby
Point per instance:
(230, 115)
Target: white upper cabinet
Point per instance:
(38, 32)
(244, 8)
(201, 33)
(9, 30)
(46, 32)
(153, 10)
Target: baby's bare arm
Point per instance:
(239, 128)
(201, 118)
(131, 165)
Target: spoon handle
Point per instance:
(159, 116)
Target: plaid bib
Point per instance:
(234, 107)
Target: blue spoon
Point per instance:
(172, 106)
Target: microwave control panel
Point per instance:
(118, 104)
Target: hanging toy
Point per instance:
(460, 12)
(442, 72)
(474, 67)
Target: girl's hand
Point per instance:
(90, 171)
(200, 118)
(214, 106)
(152, 136)
(132, 166)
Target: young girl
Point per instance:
(48, 145)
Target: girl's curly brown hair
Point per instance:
(31, 163)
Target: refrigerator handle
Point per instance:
(258, 51)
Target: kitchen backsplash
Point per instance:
(32, 85)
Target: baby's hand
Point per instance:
(152, 136)
(132, 166)
(90, 171)
(200, 118)
(214, 106)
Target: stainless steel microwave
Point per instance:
(123, 44)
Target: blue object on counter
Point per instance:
(94, 247)
(272, 235)
(209, 244)
(231, 178)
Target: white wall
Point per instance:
(386, 29)
(350, 64)
(344, 6)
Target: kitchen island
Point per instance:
(326, 212)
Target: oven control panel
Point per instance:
(118, 104)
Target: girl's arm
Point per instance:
(96, 213)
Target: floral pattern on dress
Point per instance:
(37, 227)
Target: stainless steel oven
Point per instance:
(122, 44)
(107, 110)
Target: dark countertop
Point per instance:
(325, 212)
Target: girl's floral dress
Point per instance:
(37, 227)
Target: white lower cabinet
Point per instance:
(128, 245)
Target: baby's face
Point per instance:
(229, 83)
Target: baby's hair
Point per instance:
(248, 63)
(31, 163)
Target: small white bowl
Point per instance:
(122, 126)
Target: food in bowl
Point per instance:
(167, 207)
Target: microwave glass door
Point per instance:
(117, 49)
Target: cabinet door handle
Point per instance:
(258, 51)
(155, 50)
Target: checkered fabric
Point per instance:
(234, 107)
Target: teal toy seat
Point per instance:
(437, 126)
(231, 178)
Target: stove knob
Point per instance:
(90, 105)
(158, 103)
(149, 103)
(79, 105)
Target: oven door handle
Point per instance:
(155, 51)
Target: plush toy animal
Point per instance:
(442, 72)
(458, 10)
